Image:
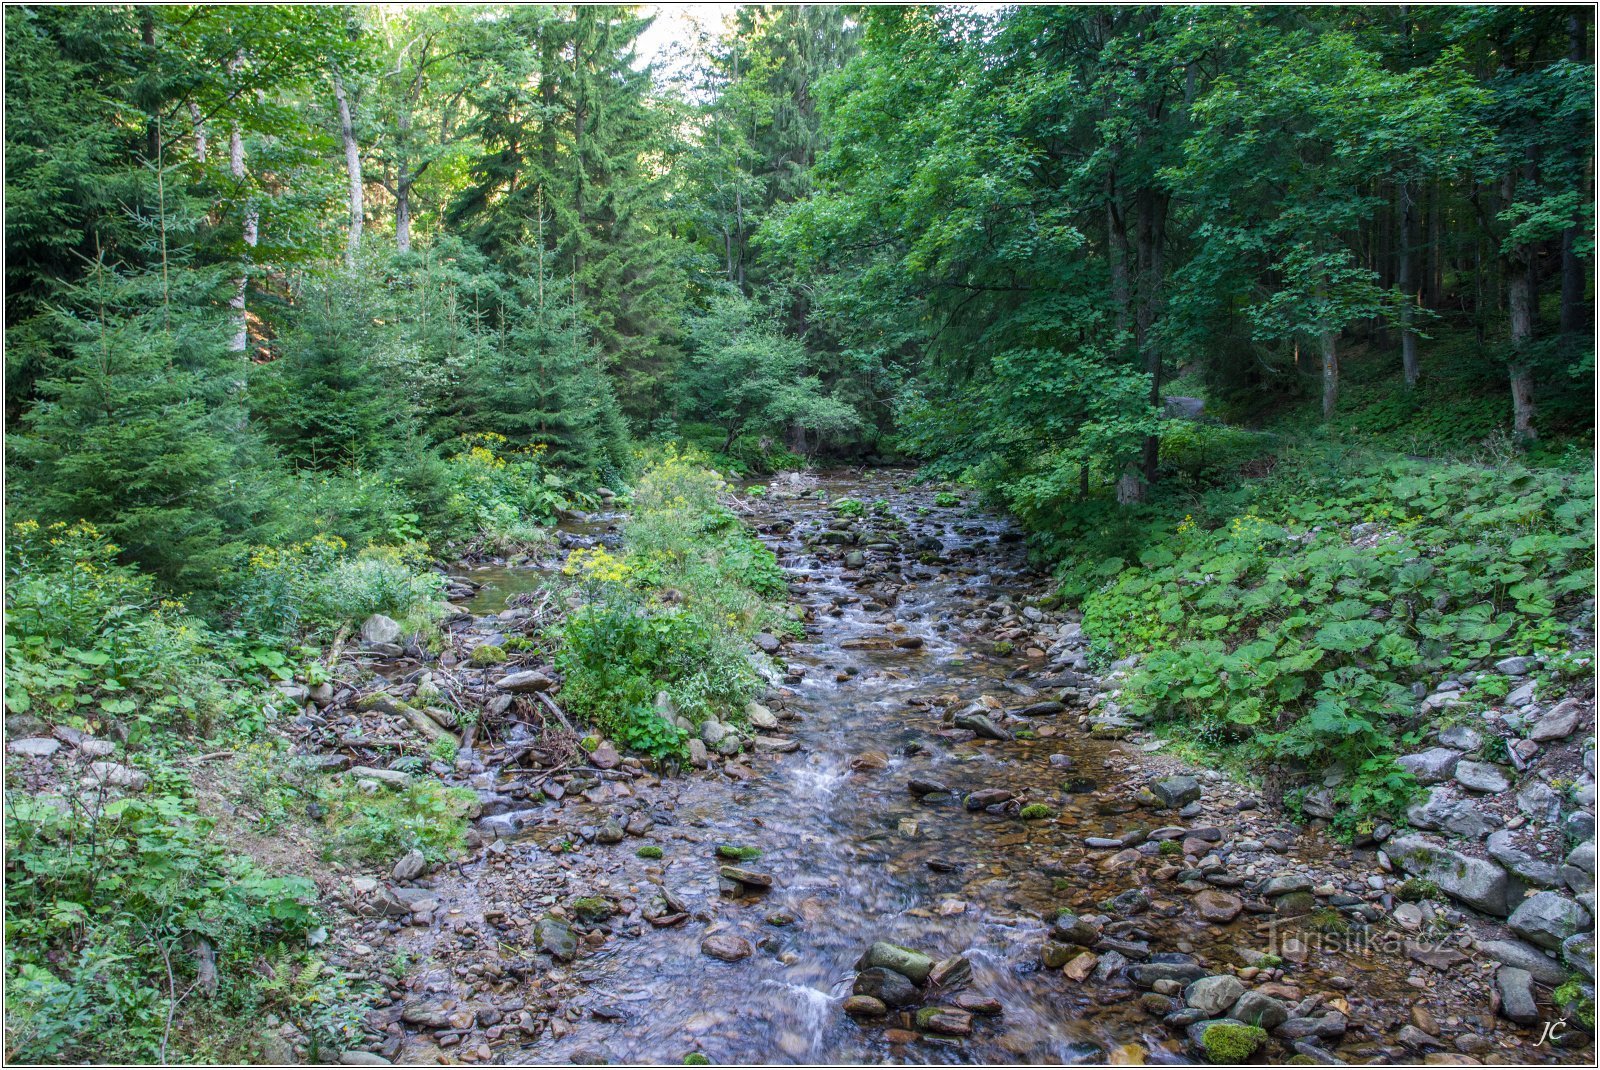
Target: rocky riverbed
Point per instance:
(936, 840)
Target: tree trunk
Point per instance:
(199, 132)
(1329, 341)
(1519, 299)
(352, 165)
(403, 178)
(1408, 284)
(1152, 238)
(241, 324)
(1117, 253)
(1573, 319)
(1435, 295)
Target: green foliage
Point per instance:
(317, 587)
(89, 643)
(103, 898)
(1285, 627)
(849, 507)
(1416, 889)
(381, 826)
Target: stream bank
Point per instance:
(939, 773)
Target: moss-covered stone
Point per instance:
(649, 851)
(738, 854)
(591, 908)
(694, 1058)
(1226, 1043)
(1036, 812)
(488, 654)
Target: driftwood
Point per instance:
(550, 704)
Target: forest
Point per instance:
(1262, 335)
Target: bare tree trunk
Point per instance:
(1329, 341)
(199, 132)
(241, 324)
(1117, 249)
(1152, 237)
(1435, 295)
(1519, 299)
(1573, 320)
(403, 178)
(1408, 284)
(352, 165)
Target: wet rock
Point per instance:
(698, 756)
(425, 1014)
(1481, 776)
(726, 947)
(950, 973)
(1416, 1039)
(1286, 883)
(1080, 966)
(767, 643)
(1217, 907)
(412, 865)
(902, 960)
(974, 721)
(864, 1007)
(556, 938)
(1258, 1008)
(1516, 995)
(973, 1003)
(1547, 919)
(747, 877)
(886, 986)
(605, 756)
(609, 833)
(760, 717)
(1559, 723)
(1146, 974)
(987, 797)
(1479, 883)
(1330, 1026)
(1431, 766)
(712, 732)
(523, 683)
(1176, 791)
(1213, 995)
(919, 788)
(1071, 929)
(946, 1021)
(1545, 970)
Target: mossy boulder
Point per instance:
(487, 654)
(1231, 1042)
(1036, 812)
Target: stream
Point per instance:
(856, 858)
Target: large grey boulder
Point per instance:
(1443, 812)
(1502, 847)
(1559, 723)
(381, 629)
(1482, 776)
(1545, 970)
(1213, 995)
(1477, 882)
(1516, 995)
(1257, 1008)
(1176, 791)
(1578, 871)
(1431, 766)
(1460, 737)
(1577, 951)
(1540, 802)
(1549, 918)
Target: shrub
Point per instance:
(89, 642)
(316, 587)
(424, 815)
(946, 499)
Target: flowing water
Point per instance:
(857, 858)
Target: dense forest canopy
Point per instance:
(250, 245)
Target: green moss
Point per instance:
(1328, 920)
(591, 908)
(1573, 1000)
(488, 654)
(1416, 889)
(1036, 811)
(1170, 847)
(738, 854)
(649, 851)
(694, 1058)
(1226, 1043)
(1003, 648)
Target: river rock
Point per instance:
(1217, 907)
(610, 832)
(748, 877)
(974, 721)
(986, 797)
(1578, 952)
(1547, 919)
(425, 1014)
(1258, 1008)
(1545, 970)
(411, 865)
(34, 747)
(864, 1007)
(886, 986)
(1479, 883)
(902, 960)
(1503, 849)
(1442, 812)
(357, 1057)
(1578, 870)
(698, 755)
(1460, 737)
(726, 947)
(1481, 776)
(946, 1021)
(1176, 791)
(760, 717)
(556, 938)
(767, 643)
(950, 973)
(1071, 929)
(1559, 723)
(1516, 995)
(1146, 974)
(526, 682)
(1540, 802)
(712, 732)
(381, 629)
(1213, 995)
(1431, 766)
